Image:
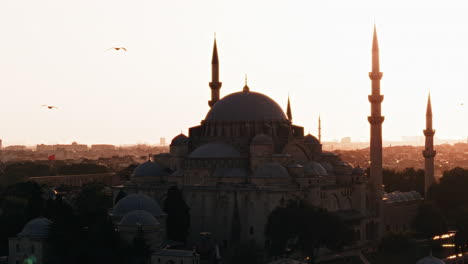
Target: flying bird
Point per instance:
(118, 48)
(50, 106)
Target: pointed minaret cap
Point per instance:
(429, 106)
(375, 42)
(246, 87)
(214, 59)
(288, 110)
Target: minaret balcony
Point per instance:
(429, 132)
(375, 76)
(376, 98)
(376, 120)
(215, 85)
(428, 153)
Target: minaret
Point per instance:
(320, 130)
(375, 120)
(429, 152)
(215, 84)
(288, 110)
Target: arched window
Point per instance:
(251, 230)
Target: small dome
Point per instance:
(328, 167)
(139, 217)
(309, 139)
(315, 169)
(246, 106)
(137, 202)
(358, 171)
(214, 150)
(38, 227)
(181, 139)
(271, 170)
(262, 139)
(430, 260)
(149, 169)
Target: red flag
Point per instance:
(51, 157)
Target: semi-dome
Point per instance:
(150, 169)
(309, 139)
(430, 260)
(139, 217)
(327, 166)
(137, 201)
(245, 106)
(262, 139)
(38, 227)
(315, 169)
(180, 139)
(271, 170)
(215, 150)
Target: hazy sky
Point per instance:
(54, 52)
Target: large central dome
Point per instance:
(245, 106)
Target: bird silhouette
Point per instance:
(118, 48)
(50, 106)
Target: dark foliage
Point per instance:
(178, 215)
(301, 227)
(20, 171)
(246, 252)
(404, 181)
(397, 248)
(429, 221)
(125, 173)
(85, 235)
(451, 197)
(20, 203)
(82, 168)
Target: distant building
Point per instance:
(73, 147)
(102, 147)
(15, 147)
(162, 141)
(346, 140)
(0, 144)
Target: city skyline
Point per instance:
(318, 53)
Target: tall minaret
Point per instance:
(320, 130)
(375, 119)
(215, 84)
(288, 110)
(429, 152)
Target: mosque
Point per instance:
(247, 157)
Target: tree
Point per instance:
(246, 252)
(397, 248)
(19, 203)
(87, 234)
(429, 221)
(125, 173)
(20, 171)
(82, 168)
(404, 181)
(450, 196)
(303, 228)
(178, 215)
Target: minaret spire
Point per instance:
(288, 110)
(320, 130)
(375, 120)
(429, 152)
(215, 84)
